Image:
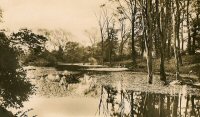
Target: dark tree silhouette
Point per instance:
(14, 87)
(26, 37)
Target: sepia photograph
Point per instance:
(99, 58)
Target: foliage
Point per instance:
(59, 54)
(14, 87)
(46, 58)
(57, 38)
(73, 52)
(37, 55)
(111, 44)
(92, 61)
(25, 37)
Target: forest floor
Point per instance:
(190, 67)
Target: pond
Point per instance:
(112, 94)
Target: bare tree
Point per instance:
(92, 34)
(129, 9)
(176, 37)
(188, 28)
(161, 30)
(124, 34)
(56, 38)
(102, 21)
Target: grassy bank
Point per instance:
(191, 63)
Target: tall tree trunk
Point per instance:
(122, 35)
(182, 32)
(149, 62)
(169, 45)
(147, 31)
(161, 27)
(101, 28)
(149, 41)
(193, 43)
(162, 64)
(143, 45)
(157, 43)
(133, 44)
(175, 46)
(133, 32)
(178, 30)
(188, 29)
(156, 33)
(102, 47)
(169, 27)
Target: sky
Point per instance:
(71, 15)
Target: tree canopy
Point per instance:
(25, 37)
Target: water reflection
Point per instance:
(92, 94)
(128, 103)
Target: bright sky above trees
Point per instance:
(72, 15)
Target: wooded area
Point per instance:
(160, 28)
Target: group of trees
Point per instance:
(46, 48)
(168, 28)
(25, 47)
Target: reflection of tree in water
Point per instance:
(111, 93)
(128, 103)
(193, 106)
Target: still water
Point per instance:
(116, 103)
(92, 98)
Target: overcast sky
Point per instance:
(72, 15)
